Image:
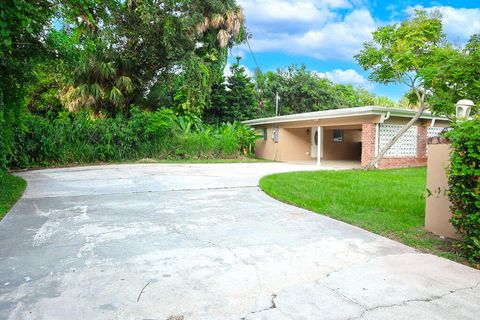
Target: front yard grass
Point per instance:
(11, 189)
(387, 202)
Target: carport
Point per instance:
(352, 134)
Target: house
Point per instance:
(354, 134)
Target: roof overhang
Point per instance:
(347, 112)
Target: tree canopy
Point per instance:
(301, 90)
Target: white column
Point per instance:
(319, 144)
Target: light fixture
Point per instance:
(463, 109)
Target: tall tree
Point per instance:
(233, 99)
(403, 53)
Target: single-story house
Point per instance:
(356, 134)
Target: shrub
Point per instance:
(463, 183)
(79, 138)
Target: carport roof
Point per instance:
(346, 112)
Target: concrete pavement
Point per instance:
(202, 241)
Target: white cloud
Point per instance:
(349, 76)
(339, 39)
(227, 72)
(458, 23)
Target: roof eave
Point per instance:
(341, 113)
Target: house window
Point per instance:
(337, 135)
(264, 133)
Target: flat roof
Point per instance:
(345, 112)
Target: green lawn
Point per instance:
(11, 190)
(386, 202)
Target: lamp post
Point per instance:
(463, 109)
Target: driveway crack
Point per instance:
(244, 261)
(405, 302)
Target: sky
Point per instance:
(326, 34)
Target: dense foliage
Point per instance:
(301, 90)
(464, 185)
(233, 98)
(79, 138)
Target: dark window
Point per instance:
(316, 138)
(264, 131)
(337, 135)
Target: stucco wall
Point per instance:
(264, 149)
(349, 149)
(293, 145)
(437, 213)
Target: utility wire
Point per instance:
(251, 52)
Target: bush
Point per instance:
(79, 138)
(463, 183)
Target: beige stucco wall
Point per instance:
(293, 145)
(349, 149)
(437, 213)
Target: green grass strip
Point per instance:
(387, 202)
(11, 189)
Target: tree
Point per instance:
(455, 76)
(302, 90)
(233, 99)
(24, 28)
(182, 42)
(403, 53)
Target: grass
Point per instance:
(387, 202)
(11, 189)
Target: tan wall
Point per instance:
(349, 149)
(293, 145)
(265, 149)
(437, 213)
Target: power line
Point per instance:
(254, 59)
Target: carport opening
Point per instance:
(341, 143)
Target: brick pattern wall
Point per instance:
(418, 161)
(386, 163)
(368, 149)
(368, 143)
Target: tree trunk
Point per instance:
(380, 155)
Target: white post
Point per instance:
(319, 139)
(277, 97)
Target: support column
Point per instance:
(421, 142)
(319, 144)
(369, 137)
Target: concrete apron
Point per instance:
(204, 242)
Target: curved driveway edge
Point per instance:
(202, 241)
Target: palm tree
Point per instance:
(227, 26)
(99, 85)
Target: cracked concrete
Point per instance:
(202, 241)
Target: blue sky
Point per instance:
(325, 34)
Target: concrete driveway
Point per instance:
(203, 242)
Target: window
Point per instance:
(337, 135)
(264, 133)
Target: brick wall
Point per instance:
(406, 162)
(419, 161)
(421, 141)
(368, 143)
(368, 149)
